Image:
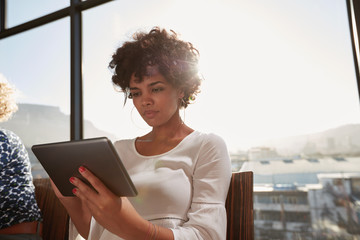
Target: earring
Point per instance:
(182, 103)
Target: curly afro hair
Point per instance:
(177, 61)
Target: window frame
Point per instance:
(74, 11)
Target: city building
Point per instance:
(306, 198)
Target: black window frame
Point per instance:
(74, 11)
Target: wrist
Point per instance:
(152, 232)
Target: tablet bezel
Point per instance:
(61, 161)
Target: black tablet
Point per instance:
(61, 160)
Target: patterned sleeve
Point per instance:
(17, 193)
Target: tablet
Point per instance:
(61, 160)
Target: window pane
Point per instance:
(21, 11)
(279, 87)
(36, 62)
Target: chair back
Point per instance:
(239, 207)
(55, 217)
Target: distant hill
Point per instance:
(41, 124)
(342, 140)
(36, 124)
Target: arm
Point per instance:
(115, 214)
(16, 182)
(211, 179)
(78, 212)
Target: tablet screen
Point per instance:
(61, 161)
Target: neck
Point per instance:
(169, 131)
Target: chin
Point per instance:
(153, 124)
(150, 123)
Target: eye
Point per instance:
(158, 89)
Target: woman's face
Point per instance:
(156, 100)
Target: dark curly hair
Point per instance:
(177, 61)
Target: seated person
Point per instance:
(20, 215)
(182, 175)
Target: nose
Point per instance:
(146, 100)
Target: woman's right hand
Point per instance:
(79, 213)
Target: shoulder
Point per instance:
(124, 145)
(214, 138)
(10, 145)
(4, 135)
(123, 142)
(213, 158)
(211, 140)
(7, 136)
(10, 142)
(209, 146)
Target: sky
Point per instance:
(272, 68)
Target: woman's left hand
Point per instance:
(115, 214)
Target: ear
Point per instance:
(181, 93)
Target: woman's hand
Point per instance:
(115, 214)
(78, 213)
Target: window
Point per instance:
(313, 160)
(18, 10)
(270, 215)
(297, 217)
(280, 87)
(339, 159)
(36, 62)
(288, 161)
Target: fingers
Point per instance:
(81, 189)
(97, 201)
(95, 182)
(85, 194)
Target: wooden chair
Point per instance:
(55, 217)
(239, 207)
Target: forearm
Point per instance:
(78, 213)
(145, 230)
(159, 233)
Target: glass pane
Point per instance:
(279, 87)
(37, 64)
(21, 11)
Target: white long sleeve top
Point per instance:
(183, 189)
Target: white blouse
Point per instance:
(183, 189)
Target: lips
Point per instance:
(149, 113)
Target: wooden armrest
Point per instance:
(239, 207)
(55, 217)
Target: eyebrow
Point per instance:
(151, 84)
(154, 83)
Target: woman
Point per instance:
(20, 215)
(182, 176)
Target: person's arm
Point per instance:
(115, 214)
(78, 212)
(211, 179)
